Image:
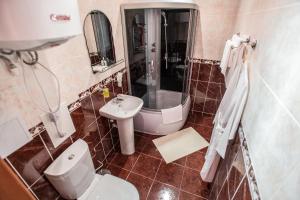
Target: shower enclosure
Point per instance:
(158, 40)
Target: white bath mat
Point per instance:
(180, 144)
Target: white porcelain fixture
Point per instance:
(150, 121)
(53, 23)
(123, 108)
(73, 175)
(163, 80)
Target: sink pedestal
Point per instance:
(126, 135)
(123, 108)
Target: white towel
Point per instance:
(225, 57)
(226, 121)
(231, 46)
(238, 39)
(230, 111)
(236, 60)
(172, 115)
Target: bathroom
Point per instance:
(183, 67)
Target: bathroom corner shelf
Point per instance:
(102, 69)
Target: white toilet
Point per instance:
(73, 175)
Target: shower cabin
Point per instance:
(158, 41)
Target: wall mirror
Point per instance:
(99, 41)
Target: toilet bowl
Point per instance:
(73, 176)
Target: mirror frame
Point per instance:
(97, 57)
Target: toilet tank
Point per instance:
(73, 171)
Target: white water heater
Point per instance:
(37, 24)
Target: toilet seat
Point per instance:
(109, 187)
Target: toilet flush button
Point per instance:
(70, 157)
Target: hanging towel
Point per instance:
(226, 120)
(225, 57)
(233, 113)
(172, 115)
(231, 53)
(236, 59)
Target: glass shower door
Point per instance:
(189, 54)
(159, 45)
(152, 18)
(143, 33)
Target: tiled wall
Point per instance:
(31, 160)
(207, 86)
(231, 176)
(206, 91)
(271, 119)
(235, 178)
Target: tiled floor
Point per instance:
(156, 180)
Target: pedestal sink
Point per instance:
(123, 108)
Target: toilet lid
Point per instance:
(109, 187)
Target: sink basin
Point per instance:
(123, 108)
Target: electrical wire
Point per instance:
(52, 112)
(33, 55)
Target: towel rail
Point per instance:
(251, 41)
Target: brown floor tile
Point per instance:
(195, 160)
(214, 191)
(125, 161)
(204, 119)
(160, 191)
(141, 142)
(204, 150)
(151, 150)
(150, 136)
(188, 196)
(111, 156)
(117, 171)
(193, 183)
(224, 192)
(243, 192)
(170, 174)
(99, 150)
(180, 161)
(107, 144)
(191, 117)
(189, 124)
(146, 166)
(236, 173)
(142, 184)
(204, 131)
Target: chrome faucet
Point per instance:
(117, 100)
